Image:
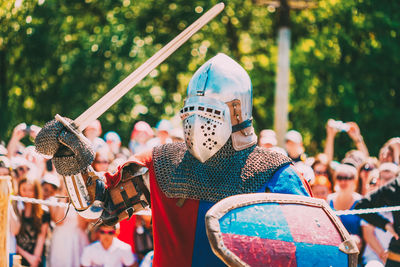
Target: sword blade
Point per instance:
(104, 103)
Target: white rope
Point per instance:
(148, 212)
(60, 204)
(39, 201)
(366, 211)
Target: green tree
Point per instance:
(344, 66)
(62, 56)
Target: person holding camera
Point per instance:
(351, 128)
(390, 151)
(20, 131)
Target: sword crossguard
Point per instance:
(71, 127)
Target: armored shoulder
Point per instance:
(169, 154)
(267, 160)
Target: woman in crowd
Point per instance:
(370, 164)
(321, 167)
(34, 223)
(93, 132)
(141, 133)
(69, 237)
(102, 160)
(390, 151)
(345, 199)
(321, 187)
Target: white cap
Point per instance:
(19, 161)
(389, 166)
(279, 150)
(51, 179)
(164, 125)
(268, 136)
(177, 133)
(5, 162)
(305, 170)
(294, 136)
(3, 150)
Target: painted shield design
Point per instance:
(266, 229)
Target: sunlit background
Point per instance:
(60, 56)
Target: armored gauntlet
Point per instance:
(84, 188)
(116, 197)
(127, 193)
(71, 154)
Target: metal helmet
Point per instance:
(218, 106)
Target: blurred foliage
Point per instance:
(61, 56)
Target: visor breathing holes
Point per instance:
(187, 131)
(205, 132)
(209, 131)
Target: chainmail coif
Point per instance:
(229, 172)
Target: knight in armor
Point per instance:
(181, 181)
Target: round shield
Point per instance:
(266, 229)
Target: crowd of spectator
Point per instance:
(57, 236)
(342, 184)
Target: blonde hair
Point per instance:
(37, 211)
(321, 180)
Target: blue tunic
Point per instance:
(351, 222)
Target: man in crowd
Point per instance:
(163, 129)
(109, 251)
(113, 141)
(219, 158)
(294, 146)
(387, 172)
(267, 138)
(93, 133)
(50, 185)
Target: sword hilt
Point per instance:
(71, 127)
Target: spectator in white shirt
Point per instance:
(109, 251)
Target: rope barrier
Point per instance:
(366, 211)
(58, 204)
(39, 201)
(148, 212)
